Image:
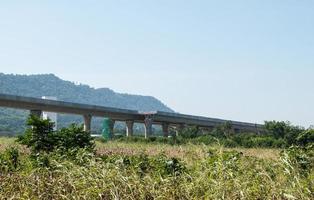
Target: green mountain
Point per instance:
(12, 120)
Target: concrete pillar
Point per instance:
(87, 122)
(37, 113)
(148, 122)
(129, 128)
(165, 129)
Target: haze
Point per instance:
(242, 60)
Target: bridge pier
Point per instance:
(148, 122)
(129, 128)
(37, 113)
(165, 129)
(87, 122)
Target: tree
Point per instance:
(306, 137)
(285, 130)
(40, 136)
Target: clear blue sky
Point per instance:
(247, 60)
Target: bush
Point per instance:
(42, 138)
(190, 132)
(204, 139)
(9, 160)
(306, 137)
(74, 137)
(297, 158)
(283, 130)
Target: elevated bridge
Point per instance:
(165, 119)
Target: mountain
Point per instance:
(12, 120)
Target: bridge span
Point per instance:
(165, 119)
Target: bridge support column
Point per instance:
(148, 122)
(129, 128)
(165, 129)
(37, 113)
(87, 122)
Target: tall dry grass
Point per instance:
(143, 171)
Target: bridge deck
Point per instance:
(30, 103)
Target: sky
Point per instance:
(245, 60)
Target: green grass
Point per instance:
(129, 170)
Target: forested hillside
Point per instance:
(12, 121)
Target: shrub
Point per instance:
(301, 159)
(306, 137)
(190, 132)
(204, 139)
(9, 159)
(41, 137)
(74, 137)
(284, 130)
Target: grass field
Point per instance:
(121, 170)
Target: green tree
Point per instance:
(40, 135)
(285, 130)
(306, 137)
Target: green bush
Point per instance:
(41, 137)
(204, 139)
(283, 130)
(306, 137)
(299, 158)
(252, 140)
(190, 132)
(74, 137)
(9, 160)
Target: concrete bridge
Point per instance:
(165, 119)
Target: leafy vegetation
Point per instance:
(276, 135)
(42, 137)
